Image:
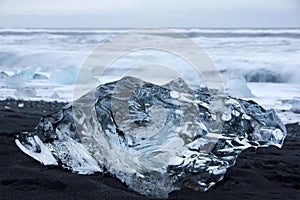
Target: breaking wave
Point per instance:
(264, 75)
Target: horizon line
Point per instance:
(131, 27)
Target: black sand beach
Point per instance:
(268, 173)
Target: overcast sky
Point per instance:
(149, 13)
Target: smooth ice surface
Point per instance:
(155, 139)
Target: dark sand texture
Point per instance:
(268, 173)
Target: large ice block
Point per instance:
(156, 139)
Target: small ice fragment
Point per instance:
(21, 105)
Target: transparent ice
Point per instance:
(156, 139)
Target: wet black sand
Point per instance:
(268, 173)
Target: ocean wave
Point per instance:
(196, 32)
(266, 75)
(235, 35)
(28, 31)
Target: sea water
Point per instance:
(259, 64)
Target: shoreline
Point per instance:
(266, 173)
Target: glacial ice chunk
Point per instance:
(25, 92)
(64, 76)
(237, 87)
(294, 104)
(156, 139)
